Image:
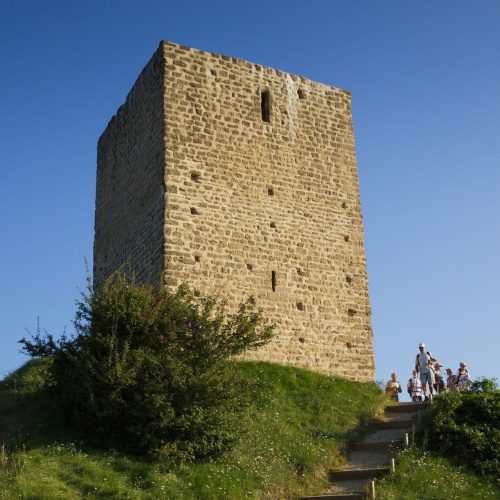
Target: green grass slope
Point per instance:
(291, 434)
(421, 475)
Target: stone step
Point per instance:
(337, 496)
(377, 446)
(394, 424)
(406, 407)
(347, 474)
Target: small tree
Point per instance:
(149, 371)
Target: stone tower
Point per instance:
(241, 179)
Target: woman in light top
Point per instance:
(414, 387)
(463, 377)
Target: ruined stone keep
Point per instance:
(241, 179)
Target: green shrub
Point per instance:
(465, 426)
(148, 371)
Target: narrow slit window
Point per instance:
(265, 106)
(273, 280)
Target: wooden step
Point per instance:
(407, 407)
(377, 446)
(347, 474)
(337, 496)
(394, 424)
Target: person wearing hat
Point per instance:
(423, 365)
(438, 377)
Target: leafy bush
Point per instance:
(148, 371)
(465, 426)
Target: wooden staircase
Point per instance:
(371, 458)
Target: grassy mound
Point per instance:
(424, 475)
(291, 434)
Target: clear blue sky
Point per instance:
(426, 98)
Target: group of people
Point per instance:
(427, 373)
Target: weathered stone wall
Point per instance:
(130, 191)
(248, 199)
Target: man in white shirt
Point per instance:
(424, 369)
